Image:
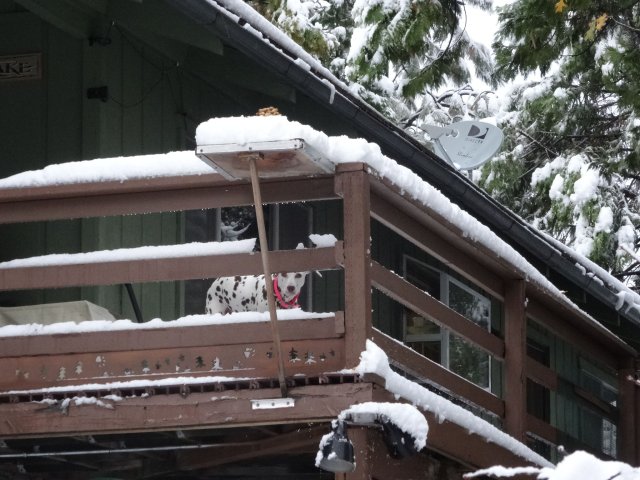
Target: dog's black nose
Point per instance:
(291, 288)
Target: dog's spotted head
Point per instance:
(290, 284)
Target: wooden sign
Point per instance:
(21, 67)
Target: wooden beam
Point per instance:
(168, 336)
(542, 429)
(102, 369)
(307, 438)
(515, 357)
(411, 296)
(167, 269)
(541, 374)
(319, 403)
(421, 367)
(362, 439)
(628, 400)
(411, 228)
(352, 184)
(569, 322)
(150, 196)
(456, 442)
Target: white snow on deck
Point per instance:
(117, 169)
(198, 249)
(157, 323)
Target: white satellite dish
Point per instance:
(467, 144)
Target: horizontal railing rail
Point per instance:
(425, 369)
(311, 345)
(421, 302)
(153, 195)
(166, 268)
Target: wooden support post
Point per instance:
(628, 424)
(352, 184)
(264, 251)
(515, 340)
(361, 439)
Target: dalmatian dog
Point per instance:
(249, 293)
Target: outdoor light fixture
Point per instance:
(337, 453)
(267, 160)
(400, 444)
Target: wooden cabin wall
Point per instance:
(41, 124)
(152, 107)
(567, 412)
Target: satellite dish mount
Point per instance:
(466, 145)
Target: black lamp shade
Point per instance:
(337, 453)
(400, 444)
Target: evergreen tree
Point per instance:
(394, 54)
(570, 160)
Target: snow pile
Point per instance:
(374, 360)
(321, 241)
(125, 385)
(406, 417)
(578, 465)
(157, 323)
(137, 253)
(117, 169)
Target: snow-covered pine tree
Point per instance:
(396, 53)
(571, 154)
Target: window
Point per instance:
(598, 431)
(439, 344)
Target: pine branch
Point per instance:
(624, 25)
(547, 149)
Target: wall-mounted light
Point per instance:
(399, 443)
(337, 452)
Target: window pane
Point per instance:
(470, 304)
(469, 361)
(465, 359)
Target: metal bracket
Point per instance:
(270, 403)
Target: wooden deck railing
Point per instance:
(195, 348)
(521, 300)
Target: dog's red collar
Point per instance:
(293, 303)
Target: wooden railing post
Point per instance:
(515, 356)
(352, 184)
(628, 407)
